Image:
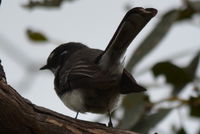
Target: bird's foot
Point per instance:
(110, 124)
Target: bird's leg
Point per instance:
(110, 120)
(76, 115)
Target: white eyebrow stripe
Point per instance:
(51, 55)
(64, 52)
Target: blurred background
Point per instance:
(164, 57)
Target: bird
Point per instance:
(93, 80)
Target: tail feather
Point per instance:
(132, 23)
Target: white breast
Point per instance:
(74, 100)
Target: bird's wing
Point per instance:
(128, 84)
(84, 75)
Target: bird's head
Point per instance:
(60, 54)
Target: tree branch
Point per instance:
(19, 116)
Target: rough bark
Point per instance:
(19, 116)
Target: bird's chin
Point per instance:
(54, 70)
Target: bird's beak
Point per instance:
(44, 67)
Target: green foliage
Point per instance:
(134, 106)
(45, 3)
(148, 121)
(195, 5)
(181, 131)
(179, 77)
(174, 75)
(137, 116)
(195, 106)
(191, 69)
(36, 36)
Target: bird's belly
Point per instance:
(74, 100)
(102, 102)
(95, 102)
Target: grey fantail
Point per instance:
(92, 80)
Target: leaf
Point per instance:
(153, 39)
(150, 121)
(193, 65)
(36, 36)
(192, 8)
(173, 74)
(181, 131)
(195, 5)
(45, 3)
(194, 104)
(185, 14)
(177, 76)
(134, 106)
